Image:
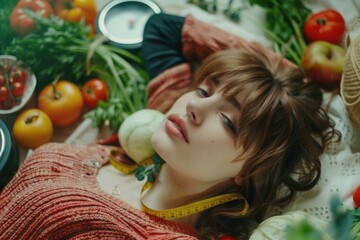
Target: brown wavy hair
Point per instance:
(282, 128)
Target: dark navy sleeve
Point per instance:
(162, 43)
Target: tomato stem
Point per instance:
(31, 119)
(89, 91)
(321, 21)
(56, 94)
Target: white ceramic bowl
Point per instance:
(30, 85)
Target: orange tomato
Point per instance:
(32, 128)
(75, 10)
(62, 101)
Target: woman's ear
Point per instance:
(238, 179)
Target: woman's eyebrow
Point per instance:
(234, 102)
(215, 82)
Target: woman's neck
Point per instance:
(172, 189)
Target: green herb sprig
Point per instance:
(355, 226)
(149, 172)
(7, 33)
(284, 23)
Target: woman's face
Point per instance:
(197, 138)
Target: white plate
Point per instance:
(123, 21)
(30, 85)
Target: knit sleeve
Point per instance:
(201, 39)
(163, 90)
(55, 195)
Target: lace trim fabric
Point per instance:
(340, 170)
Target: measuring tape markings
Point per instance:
(195, 207)
(182, 211)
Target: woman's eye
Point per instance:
(202, 92)
(229, 124)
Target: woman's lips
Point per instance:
(176, 127)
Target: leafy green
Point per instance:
(303, 230)
(56, 49)
(338, 228)
(64, 50)
(7, 34)
(207, 5)
(284, 23)
(355, 230)
(340, 225)
(149, 171)
(211, 6)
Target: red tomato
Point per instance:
(356, 197)
(8, 103)
(4, 93)
(93, 91)
(327, 25)
(18, 89)
(19, 75)
(11, 81)
(21, 23)
(2, 80)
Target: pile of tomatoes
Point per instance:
(60, 104)
(12, 85)
(69, 10)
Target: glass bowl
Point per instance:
(8, 115)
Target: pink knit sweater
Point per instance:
(55, 195)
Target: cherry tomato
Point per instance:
(4, 93)
(32, 128)
(327, 25)
(19, 75)
(356, 197)
(18, 89)
(62, 101)
(2, 80)
(11, 81)
(4, 67)
(93, 91)
(8, 103)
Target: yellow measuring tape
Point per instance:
(195, 207)
(126, 168)
(182, 211)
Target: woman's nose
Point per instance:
(195, 111)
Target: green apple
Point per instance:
(323, 63)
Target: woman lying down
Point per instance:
(243, 136)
